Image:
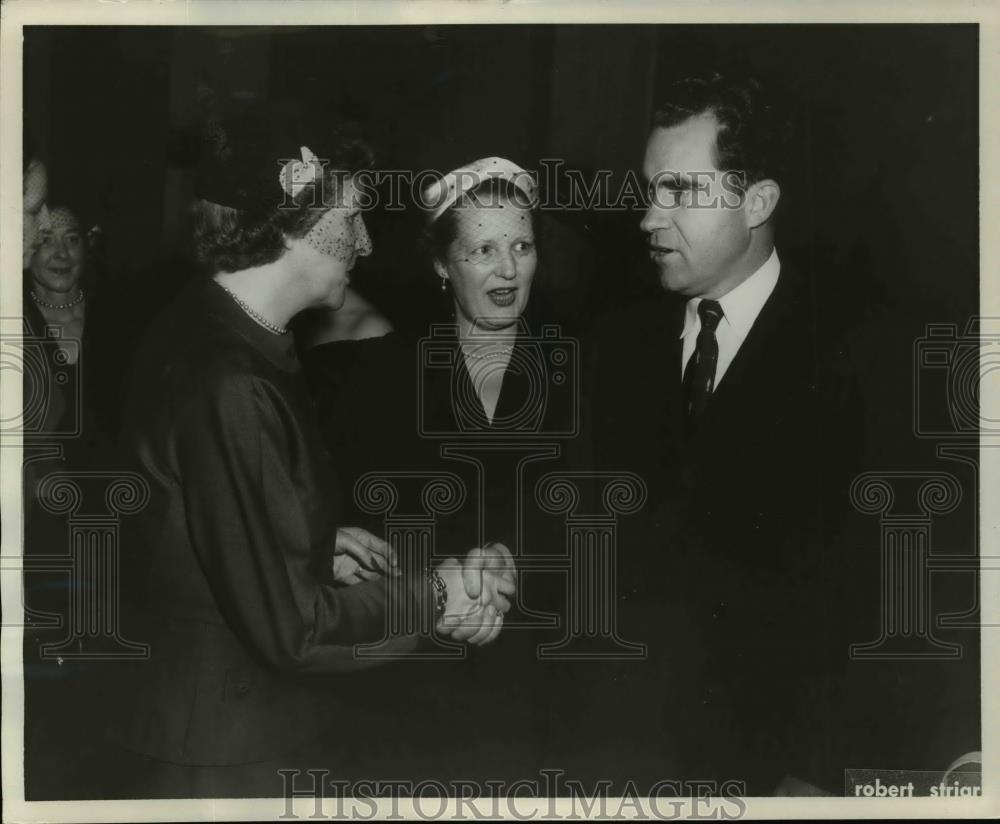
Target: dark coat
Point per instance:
(395, 407)
(731, 572)
(229, 563)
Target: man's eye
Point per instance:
(669, 198)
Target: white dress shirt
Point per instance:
(741, 306)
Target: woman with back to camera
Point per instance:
(248, 588)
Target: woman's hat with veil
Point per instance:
(253, 162)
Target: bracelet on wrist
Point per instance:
(440, 592)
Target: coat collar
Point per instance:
(221, 308)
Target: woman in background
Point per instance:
(67, 304)
(54, 283)
(54, 314)
(358, 319)
(342, 349)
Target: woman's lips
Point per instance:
(503, 297)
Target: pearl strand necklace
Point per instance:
(77, 300)
(273, 328)
(497, 353)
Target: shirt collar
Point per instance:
(741, 305)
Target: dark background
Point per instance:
(884, 208)
(882, 213)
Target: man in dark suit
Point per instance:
(735, 406)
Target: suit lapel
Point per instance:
(667, 348)
(515, 387)
(769, 357)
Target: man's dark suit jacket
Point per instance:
(731, 572)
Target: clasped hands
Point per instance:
(479, 593)
(479, 588)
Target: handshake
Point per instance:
(475, 593)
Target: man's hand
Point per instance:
(478, 594)
(489, 572)
(360, 556)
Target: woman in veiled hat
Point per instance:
(247, 586)
(478, 387)
(486, 372)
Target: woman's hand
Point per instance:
(360, 556)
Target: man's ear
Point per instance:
(761, 201)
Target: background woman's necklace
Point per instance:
(502, 352)
(77, 300)
(69, 318)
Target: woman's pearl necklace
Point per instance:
(495, 353)
(270, 327)
(76, 301)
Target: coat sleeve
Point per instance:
(258, 529)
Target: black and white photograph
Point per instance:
(473, 411)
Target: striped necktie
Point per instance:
(699, 375)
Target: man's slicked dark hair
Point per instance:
(754, 133)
